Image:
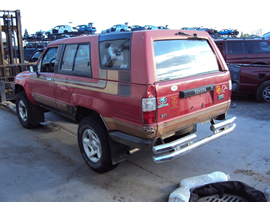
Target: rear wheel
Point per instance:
(263, 92)
(94, 146)
(28, 114)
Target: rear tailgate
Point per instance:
(189, 101)
(191, 88)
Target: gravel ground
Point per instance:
(248, 106)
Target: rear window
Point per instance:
(182, 58)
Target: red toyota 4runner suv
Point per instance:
(130, 91)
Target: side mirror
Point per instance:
(34, 68)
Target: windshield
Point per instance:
(183, 58)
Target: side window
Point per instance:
(48, 60)
(35, 56)
(69, 54)
(235, 47)
(245, 48)
(115, 54)
(260, 46)
(82, 59)
(76, 59)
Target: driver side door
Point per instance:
(41, 83)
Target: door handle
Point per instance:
(48, 78)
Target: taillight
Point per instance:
(149, 106)
(230, 89)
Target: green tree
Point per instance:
(244, 35)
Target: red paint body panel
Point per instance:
(250, 79)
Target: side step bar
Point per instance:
(184, 145)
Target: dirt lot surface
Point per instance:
(249, 107)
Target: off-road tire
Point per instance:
(263, 92)
(28, 114)
(94, 145)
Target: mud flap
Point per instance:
(119, 152)
(37, 114)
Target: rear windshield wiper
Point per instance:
(183, 33)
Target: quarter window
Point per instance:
(115, 54)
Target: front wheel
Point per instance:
(94, 146)
(263, 92)
(28, 114)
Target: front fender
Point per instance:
(22, 84)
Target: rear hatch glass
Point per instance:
(182, 58)
(190, 87)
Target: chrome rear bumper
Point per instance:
(184, 145)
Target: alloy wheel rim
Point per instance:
(266, 94)
(91, 145)
(22, 110)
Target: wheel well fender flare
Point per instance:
(26, 88)
(92, 103)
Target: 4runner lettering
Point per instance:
(130, 91)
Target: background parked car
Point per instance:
(266, 36)
(62, 29)
(29, 37)
(244, 51)
(118, 28)
(187, 28)
(251, 79)
(85, 29)
(163, 27)
(211, 31)
(40, 35)
(150, 27)
(136, 27)
(36, 44)
(35, 55)
(228, 32)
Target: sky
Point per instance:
(235, 14)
